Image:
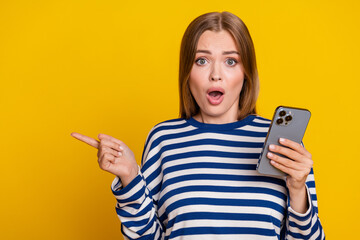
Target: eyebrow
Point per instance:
(224, 53)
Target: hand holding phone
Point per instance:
(289, 123)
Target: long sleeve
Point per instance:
(136, 207)
(306, 225)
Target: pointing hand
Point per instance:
(113, 156)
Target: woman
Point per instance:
(198, 177)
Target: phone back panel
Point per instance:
(287, 122)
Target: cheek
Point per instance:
(195, 81)
(239, 85)
(196, 74)
(236, 80)
(194, 89)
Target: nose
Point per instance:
(215, 78)
(215, 74)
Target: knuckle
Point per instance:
(281, 167)
(282, 150)
(105, 157)
(101, 144)
(115, 153)
(292, 164)
(297, 177)
(104, 148)
(102, 166)
(115, 145)
(311, 162)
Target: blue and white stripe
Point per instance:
(199, 181)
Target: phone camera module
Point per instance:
(288, 118)
(282, 113)
(279, 121)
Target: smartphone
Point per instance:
(287, 122)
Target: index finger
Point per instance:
(91, 141)
(295, 146)
(104, 136)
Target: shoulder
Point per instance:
(175, 123)
(166, 130)
(257, 124)
(261, 120)
(254, 126)
(170, 122)
(258, 121)
(169, 127)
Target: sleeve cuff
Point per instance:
(117, 187)
(133, 195)
(116, 184)
(301, 216)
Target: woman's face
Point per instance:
(217, 77)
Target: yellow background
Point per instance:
(112, 66)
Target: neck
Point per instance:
(201, 117)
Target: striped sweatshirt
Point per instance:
(199, 181)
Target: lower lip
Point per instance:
(215, 101)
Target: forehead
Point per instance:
(212, 40)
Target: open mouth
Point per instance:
(215, 95)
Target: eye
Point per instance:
(200, 61)
(231, 61)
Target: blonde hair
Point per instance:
(217, 21)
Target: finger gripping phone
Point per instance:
(287, 122)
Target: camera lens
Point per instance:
(279, 121)
(282, 113)
(288, 118)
